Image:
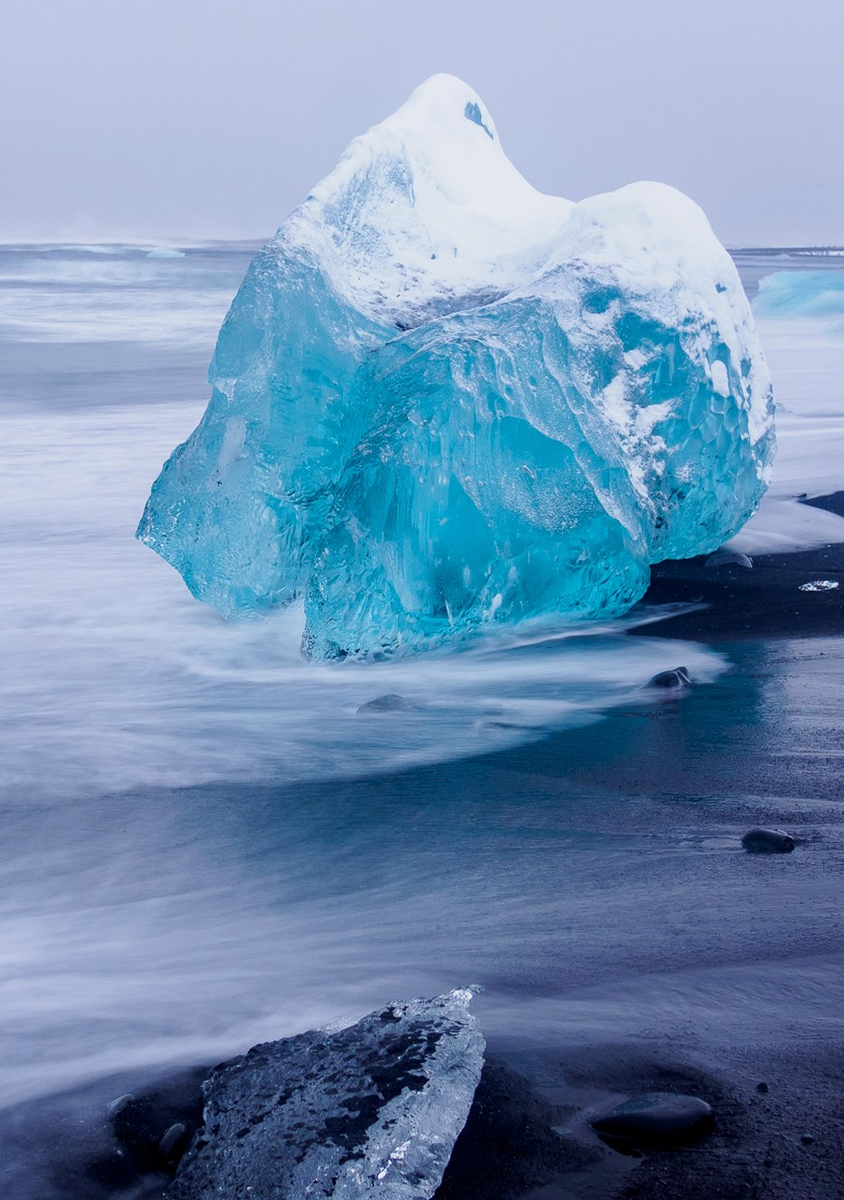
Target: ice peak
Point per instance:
(439, 106)
(427, 203)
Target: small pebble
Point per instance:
(807, 1139)
(763, 1088)
(674, 680)
(171, 1139)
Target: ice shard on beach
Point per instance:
(443, 400)
(370, 1110)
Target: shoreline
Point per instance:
(764, 601)
(719, 971)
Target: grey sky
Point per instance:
(203, 118)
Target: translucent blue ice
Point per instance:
(443, 400)
(801, 293)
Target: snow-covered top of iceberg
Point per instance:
(426, 207)
(656, 245)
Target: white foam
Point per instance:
(116, 678)
(806, 357)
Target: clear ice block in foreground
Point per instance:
(372, 1110)
(443, 400)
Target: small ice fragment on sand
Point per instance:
(819, 585)
(402, 1081)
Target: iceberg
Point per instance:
(370, 1110)
(443, 400)
(800, 294)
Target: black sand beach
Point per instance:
(646, 950)
(737, 602)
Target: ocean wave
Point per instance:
(168, 693)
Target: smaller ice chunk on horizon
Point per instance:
(801, 294)
(443, 400)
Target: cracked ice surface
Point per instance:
(442, 399)
(370, 1110)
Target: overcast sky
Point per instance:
(204, 118)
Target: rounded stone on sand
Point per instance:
(174, 1140)
(656, 1118)
(672, 680)
(768, 841)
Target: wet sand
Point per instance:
(644, 947)
(734, 602)
(762, 1037)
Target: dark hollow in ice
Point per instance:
(391, 702)
(671, 680)
(656, 1118)
(768, 841)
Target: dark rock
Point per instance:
(375, 1106)
(768, 841)
(391, 702)
(672, 680)
(763, 1088)
(656, 1118)
(175, 1141)
(145, 1125)
(807, 1139)
(727, 558)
